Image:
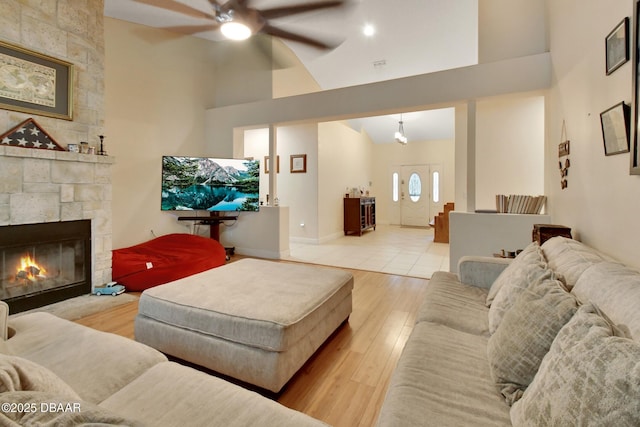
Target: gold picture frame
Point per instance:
(298, 163)
(266, 164)
(35, 83)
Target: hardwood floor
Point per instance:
(345, 382)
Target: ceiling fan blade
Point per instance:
(192, 29)
(287, 35)
(175, 6)
(279, 12)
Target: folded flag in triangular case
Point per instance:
(29, 134)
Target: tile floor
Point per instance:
(388, 249)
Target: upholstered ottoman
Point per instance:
(254, 320)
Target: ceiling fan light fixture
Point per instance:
(235, 30)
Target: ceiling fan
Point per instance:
(237, 20)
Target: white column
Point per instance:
(273, 168)
(471, 156)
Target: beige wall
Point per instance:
(602, 201)
(509, 147)
(158, 86)
(511, 28)
(345, 159)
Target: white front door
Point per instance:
(414, 195)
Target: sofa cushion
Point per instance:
(520, 279)
(18, 374)
(525, 335)
(591, 376)
(451, 303)
(50, 409)
(443, 379)
(615, 289)
(170, 394)
(569, 258)
(529, 255)
(62, 347)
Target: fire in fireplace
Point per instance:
(44, 263)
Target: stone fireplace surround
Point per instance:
(42, 186)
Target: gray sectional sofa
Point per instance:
(548, 339)
(58, 373)
(557, 345)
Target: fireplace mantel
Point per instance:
(41, 186)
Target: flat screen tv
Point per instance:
(210, 184)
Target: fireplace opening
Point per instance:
(44, 263)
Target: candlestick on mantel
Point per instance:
(102, 152)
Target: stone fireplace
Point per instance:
(54, 193)
(44, 263)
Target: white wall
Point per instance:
(602, 201)
(509, 147)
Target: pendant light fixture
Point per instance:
(399, 136)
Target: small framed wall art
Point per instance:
(298, 163)
(617, 46)
(266, 164)
(615, 129)
(34, 83)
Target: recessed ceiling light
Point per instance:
(369, 30)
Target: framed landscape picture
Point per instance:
(31, 82)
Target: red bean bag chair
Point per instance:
(165, 259)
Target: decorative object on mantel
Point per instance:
(298, 163)
(34, 83)
(101, 152)
(29, 134)
(615, 129)
(617, 46)
(563, 151)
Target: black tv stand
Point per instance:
(213, 221)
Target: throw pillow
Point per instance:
(18, 374)
(525, 335)
(591, 376)
(522, 277)
(531, 254)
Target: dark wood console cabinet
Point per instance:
(359, 214)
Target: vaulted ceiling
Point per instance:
(409, 38)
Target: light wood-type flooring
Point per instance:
(345, 381)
